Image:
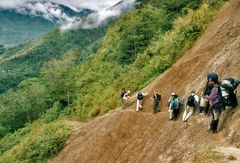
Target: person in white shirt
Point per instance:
(127, 96)
(192, 103)
(140, 97)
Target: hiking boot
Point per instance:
(210, 131)
(214, 132)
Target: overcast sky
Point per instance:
(73, 4)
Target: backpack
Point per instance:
(140, 96)
(157, 97)
(180, 104)
(230, 83)
(227, 88)
(176, 104)
(122, 94)
(191, 101)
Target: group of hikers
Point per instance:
(216, 97)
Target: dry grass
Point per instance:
(232, 133)
(207, 154)
(231, 157)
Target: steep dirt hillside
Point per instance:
(127, 136)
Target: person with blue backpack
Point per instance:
(175, 104)
(140, 97)
(192, 103)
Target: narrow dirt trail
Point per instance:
(127, 136)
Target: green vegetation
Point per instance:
(21, 107)
(39, 141)
(99, 88)
(35, 96)
(25, 61)
(74, 84)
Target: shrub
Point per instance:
(40, 144)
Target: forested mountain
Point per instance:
(16, 28)
(20, 25)
(25, 60)
(77, 75)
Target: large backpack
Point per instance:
(230, 83)
(191, 101)
(227, 88)
(140, 96)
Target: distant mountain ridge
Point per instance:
(23, 24)
(32, 19)
(16, 28)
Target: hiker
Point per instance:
(175, 104)
(171, 103)
(140, 97)
(192, 103)
(125, 98)
(215, 102)
(123, 92)
(156, 99)
(178, 106)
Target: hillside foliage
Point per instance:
(26, 60)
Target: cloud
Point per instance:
(75, 5)
(97, 18)
(48, 10)
(51, 10)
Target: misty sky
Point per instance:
(73, 4)
(50, 10)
